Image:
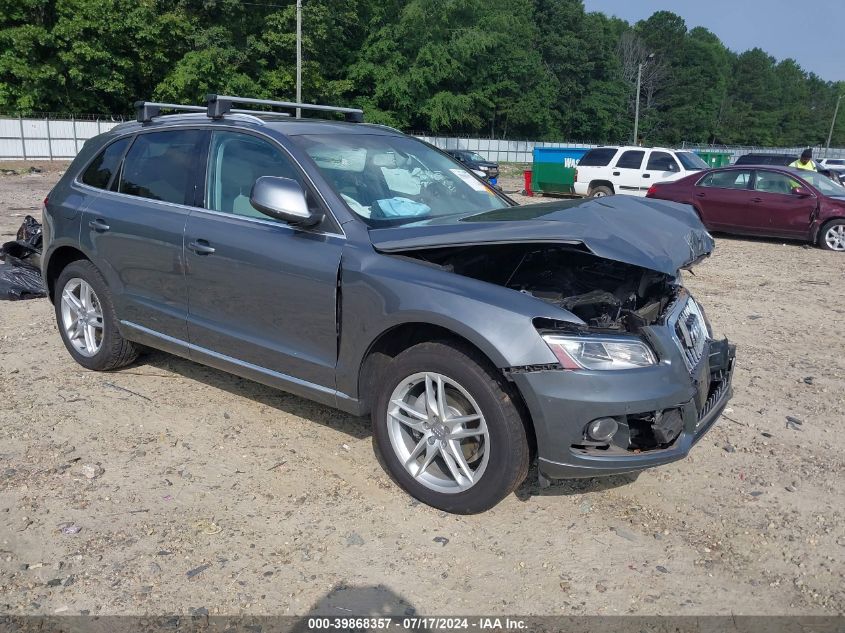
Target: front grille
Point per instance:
(722, 383)
(690, 333)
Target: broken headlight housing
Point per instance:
(600, 353)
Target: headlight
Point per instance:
(587, 352)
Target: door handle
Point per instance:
(756, 199)
(699, 195)
(99, 225)
(616, 173)
(201, 247)
(646, 175)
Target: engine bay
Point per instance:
(607, 295)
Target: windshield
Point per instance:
(389, 180)
(478, 158)
(823, 183)
(690, 161)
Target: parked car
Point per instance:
(477, 163)
(785, 160)
(832, 163)
(368, 271)
(605, 171)
(761, 158)
(768, 201)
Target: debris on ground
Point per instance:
(191, 573)
(793, 423)
(20, 273)
(92, 471)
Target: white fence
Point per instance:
(51, 139)
(61, 139)
(501, 151)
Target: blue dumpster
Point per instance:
(553, 170)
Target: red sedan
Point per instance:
(764, 200)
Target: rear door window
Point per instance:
(632, 159)
(661, 161)
(101, 170)
(599, 157)
(161, 166)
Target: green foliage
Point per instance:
(543, 69)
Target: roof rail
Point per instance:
(146, 110)
(218, 105)
(254, 112)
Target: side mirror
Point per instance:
(283, 199)
(801, 192)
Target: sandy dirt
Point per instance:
(189, 489)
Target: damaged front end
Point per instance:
(603, 295)
(639, 377)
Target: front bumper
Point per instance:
(562, 403)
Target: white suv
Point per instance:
(605, 171)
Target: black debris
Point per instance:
(793, 423)
(197, 570)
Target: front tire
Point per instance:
(448, 428)
(86, 319)
(832, 235)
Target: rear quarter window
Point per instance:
(100, 171)
(599, 157)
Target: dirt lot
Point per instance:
(193, 489)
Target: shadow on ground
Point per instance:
(566, 487)
(359, 428)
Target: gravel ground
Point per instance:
(168, 487)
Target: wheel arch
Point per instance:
(397, 338)
(59, 260)
(601, 183)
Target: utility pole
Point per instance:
(298, 56)
(832, 123)
(637, 105)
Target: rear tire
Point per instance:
(463, 456)
(601, 192)
(832, 235)
(86, 319)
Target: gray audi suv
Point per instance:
(361, 268)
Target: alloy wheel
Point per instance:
(835, 237)
(438, 432)
(82, 317)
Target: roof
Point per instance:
(640, 147)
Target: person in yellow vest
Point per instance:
(805, 162)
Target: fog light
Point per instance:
(602, 430)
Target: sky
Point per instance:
(809, 32)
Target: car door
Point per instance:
(723, 199)
(134, 230)
(660, 167)
(776, 209)
(262, 293)
(627, 174)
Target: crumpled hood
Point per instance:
(654, 234)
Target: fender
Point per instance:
(381, 292)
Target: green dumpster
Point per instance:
(553, 169)
(715, 159)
